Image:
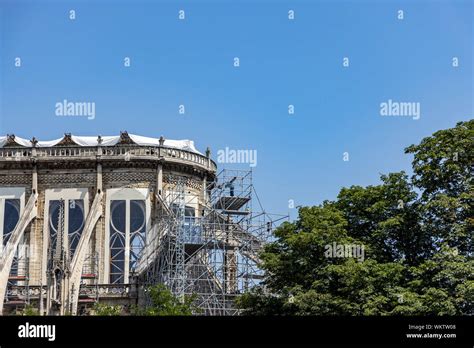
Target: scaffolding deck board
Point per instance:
(86, 300)
(235, 212)
(12, 303)
(17, 278)
(231, 203)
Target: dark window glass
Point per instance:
(117, 241)
(11, 218)
(137, 231)
(188, 211)
(53, 222)
(76, 223)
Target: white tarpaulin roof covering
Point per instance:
(187, 145)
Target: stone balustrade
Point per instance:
(125, 152)
(103, 290)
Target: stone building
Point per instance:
(98, 219)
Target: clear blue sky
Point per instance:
(283, 62)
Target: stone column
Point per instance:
(99, 177)
(159, 180)
(34, 179)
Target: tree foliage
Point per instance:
(161, 302)
(30, 310)
(102, 309)
(164, 303)
(417, 233)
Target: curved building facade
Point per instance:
(97, 219)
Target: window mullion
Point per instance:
(66, 226)
(2, 217)
(127, 242)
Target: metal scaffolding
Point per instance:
(89, 286)
(18, 293)
(212, 256)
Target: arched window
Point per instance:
(137, 231)
(76, 222)
(73, 221)
(11, 217)
(117, 241)
(11, 202)
(127, 226)
(74, 203)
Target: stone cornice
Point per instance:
(114, 156)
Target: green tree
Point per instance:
(164, 303)
(30, 310)
(443, 167)
(418, 238)
(387, 218)
(103, 309)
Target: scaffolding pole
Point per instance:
(213, 257)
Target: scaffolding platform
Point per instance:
(232, 204)
(17, 277)
(87, 300)
(212, 256)
(235, 212)
(15, 302)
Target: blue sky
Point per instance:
(282, 62)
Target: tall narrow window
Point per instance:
(137, 231)
(73, 222)
(191, 230)
(117, 241)
(76, 223)
(127, 237)
(11, 218)
(53, 222)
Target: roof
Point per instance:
(123, 138)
